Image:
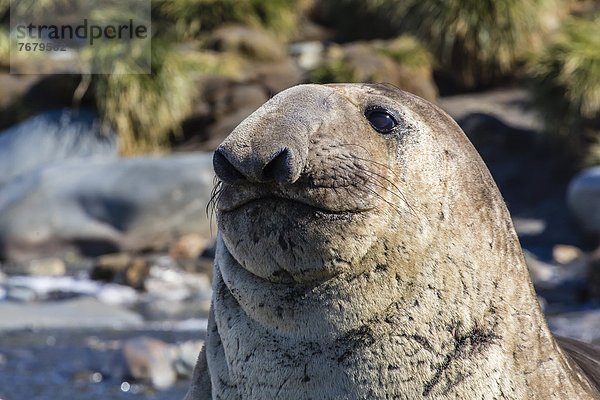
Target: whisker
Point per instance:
(398, 193)
(215, 195)
(373, 182)
(374, 192)
(372, 174)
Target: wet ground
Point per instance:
(76, 364)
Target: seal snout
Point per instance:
(281, 166)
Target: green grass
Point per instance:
(192, 16)
(42, 8)
(566, 87)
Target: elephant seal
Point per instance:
(364, 252)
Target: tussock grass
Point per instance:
(147, 109)
(193, 16)
(408, 51)
(481, 40)
(42, 8)
(566, 87)
(478, 40)
(4, 47)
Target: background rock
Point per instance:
(156, 362)
(186, 355)
(594, 275)
(276, 77)
(52, 266)
(121, 268)
(251, 42)
(13, 87)
(80, 313)
(49, 288)
(369, 62)
(584, 201)
(51, 137)
(189, 247)
(103, 206)
(581, 325)
(151, 360)
(308, 55)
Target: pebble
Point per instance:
(189, 247)
(565, 254)
(186, 354)
(150, 360)
(46, 267)
(121, 268)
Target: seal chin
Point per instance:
(282, 240)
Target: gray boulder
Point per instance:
(93, 207)
(583, 197)
(580, 325)
(50, 137)
(81, 312)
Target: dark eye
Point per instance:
(381, 120)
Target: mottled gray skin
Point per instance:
(358, 265)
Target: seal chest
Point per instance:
(364, 251)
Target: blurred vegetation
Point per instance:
(408, 51)
(144, 108)
(481, 40)
(476, 41)
(333, 71)
(404, 50)
(4, 47)
(193, 16)
(566, 87)
(41, 8)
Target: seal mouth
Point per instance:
(293, 202)
(319, 199)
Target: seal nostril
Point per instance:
(224, 169)
(280, 168)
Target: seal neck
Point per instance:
(433, 326)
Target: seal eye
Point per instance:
(381, 120)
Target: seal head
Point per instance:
(305, 192)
